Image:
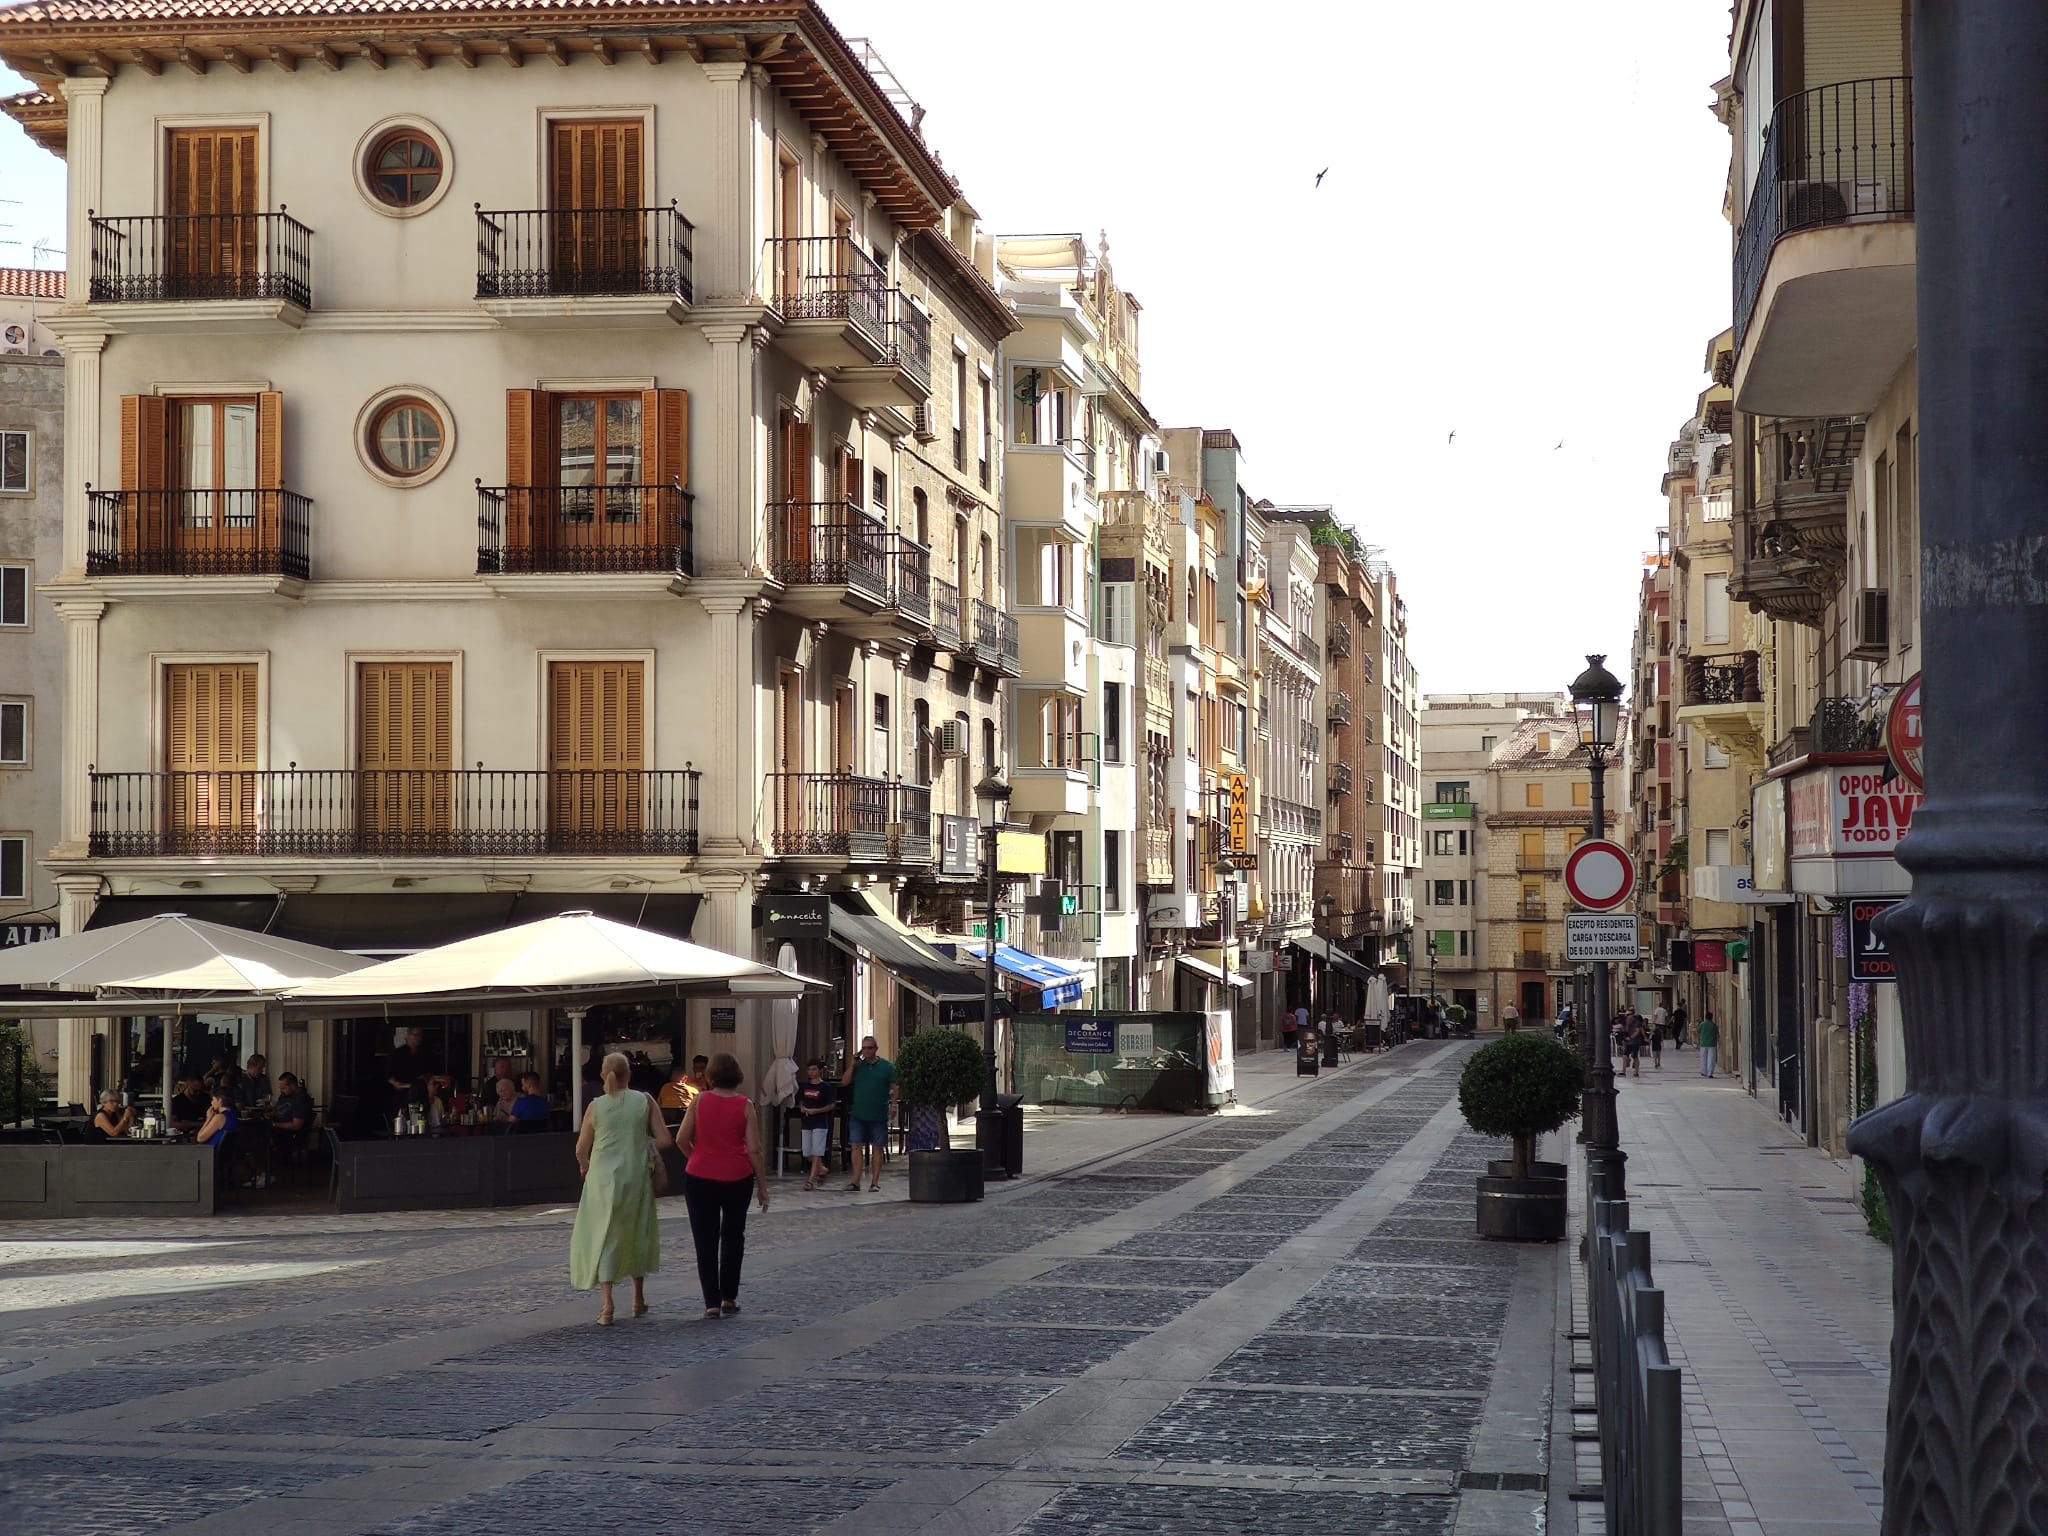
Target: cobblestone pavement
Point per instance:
(1277, 1322)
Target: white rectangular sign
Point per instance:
(1601, 936)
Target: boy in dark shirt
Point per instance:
(816, 1099)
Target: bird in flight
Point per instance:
(1560, 444)
(1453, 437)
(1321, 174)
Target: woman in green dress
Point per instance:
(615, 1235)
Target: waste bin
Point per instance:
(1308, 1057)
(1332, 1056)
(999, 1132)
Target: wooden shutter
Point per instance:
(210, 747)
(145, 468)
(405, 747)
(529, 461)
(794, 537)
(269, 469)
(212, 183)
(596, 727)
(665, 461)
(596, 165)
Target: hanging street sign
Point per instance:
(1869, 959)
(1238, 829)
(1601, 936)
(1599, 875)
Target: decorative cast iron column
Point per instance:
(1964, 1155)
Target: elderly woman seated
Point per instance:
(112, 1122)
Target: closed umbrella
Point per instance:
(778, 1084)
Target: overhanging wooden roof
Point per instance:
(792, 40)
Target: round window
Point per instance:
(406, 438)
(404, 168)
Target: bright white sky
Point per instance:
(1519, 240)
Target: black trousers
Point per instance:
(718, 1226)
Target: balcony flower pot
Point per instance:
(934, 1069)
(1521, 1086)
(947, 1177)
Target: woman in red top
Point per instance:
(721, 1141)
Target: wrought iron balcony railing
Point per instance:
(542, 253)
(1736, 679)
(1340, 709)
(174, 258)
(997, 640)
(1340, 780)
(850, 816)
(1339, 643)
(528, 529)
(829, 544)
(320, 813)
(910, 566)
(198, 533)
(828, 277)
(1839, 154)
(946, 614)
(1535, 960)
(910, 338)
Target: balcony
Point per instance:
(832, 557)
(834, 300)
(202, 272)
(1340, 709)
(1824, 263)
(1340, 780)
(1537, 864)
(1535, 960)
(1286, 818)
(1529, 911)
(901, 378)
(1791, 543)
(995, 641)
(1158, 867)
(198, 533)
(579, 267)
(1310, 740)
(537, 530)
(946, 615)
(1052, 648)
(1723, 699)
(1339, 642)
(387, 813)
(846, 816)
(1158, 686)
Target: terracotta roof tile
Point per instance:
(30, 283)
(47, 11)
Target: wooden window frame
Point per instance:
(27, 706)
(28, 461)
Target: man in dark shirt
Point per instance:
(188, 1105)
(405, 1069)
(530, 1111)
(254, 1087)
(293, 1115)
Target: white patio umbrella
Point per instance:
(778, 1084)
(574, 960)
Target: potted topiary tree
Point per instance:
(1521, 1086)
(1458, 1020)
(937, 1068)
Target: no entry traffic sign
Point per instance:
(1599, 875)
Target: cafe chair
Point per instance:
(332, 1135)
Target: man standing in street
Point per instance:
(1710, 1043)
(1510, 1019)
(1292, 1022)
(1660, 1021)
(870, 1082)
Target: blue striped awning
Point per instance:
(1057, 985)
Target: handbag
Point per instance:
(657, 1169)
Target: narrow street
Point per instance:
(1277, 1321)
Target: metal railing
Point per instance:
(1837, 154)
(910, 566)
(1530, 911)
(1340, 780)
(1339, 644)
(1082, 452)
(1311, 739)
(829, 544)
(526, 529)
(828, 277)
(198, 533)
(1534, 960)
(848, 815)
(540, 253)
(946, 613)
(1736, 679)
(166, 258)
(459, 812)
(1636, 1387)
(1340, 709)
(910, 339)
(996, 637)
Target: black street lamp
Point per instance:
(1596, 705)
(992, 795)
(1326, 925)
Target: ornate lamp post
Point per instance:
(992, 795)
(1326, 924)
(1596, 705)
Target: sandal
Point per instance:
(639, 1309)
(712, 1314)
(874, 1186)
(604, 1318)
(854, 1187)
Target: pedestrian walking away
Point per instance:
(615, 1237)
(816, 1099)
(1292, 1022)
(1660, 1025)
(1678, 1023)
(1633, 1034)
(1511, 1018)
(1710, 1044)
(870, 1085)
(723, 1168)
(1657, 1043)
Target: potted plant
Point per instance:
(1458, 1019)
(937, 1068)
(1521, 1086)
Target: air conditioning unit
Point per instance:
(1873, 625)
(949, 738)
(923, 422)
